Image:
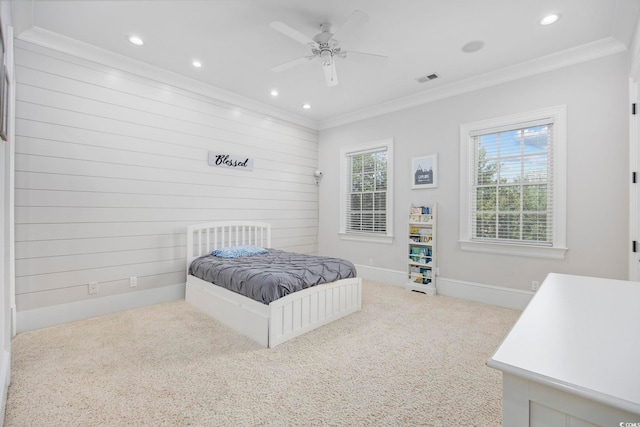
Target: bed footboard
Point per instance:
(313, 307)
(283, 319)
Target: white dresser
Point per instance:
(573, 357)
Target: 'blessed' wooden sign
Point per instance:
(226, 160)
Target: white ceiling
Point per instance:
(238, 48)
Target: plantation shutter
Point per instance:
(366, 192)
(512, 184)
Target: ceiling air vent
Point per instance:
(427, 78)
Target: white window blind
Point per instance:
(366, 191)
(511, 197)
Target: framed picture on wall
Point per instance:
(424, 171)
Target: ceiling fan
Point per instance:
(325, 46)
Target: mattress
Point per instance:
(272, 275)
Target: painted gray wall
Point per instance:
(111, 167)
(596, 95)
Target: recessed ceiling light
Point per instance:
(473, 46)
(136, 40)
(306, 106)
(274, 92)
(196, 63)
(549, 19)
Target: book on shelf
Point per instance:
(420, 259)
(426, 235)
(426, 272)
(420, 280)
(419, 250)
(421, 210)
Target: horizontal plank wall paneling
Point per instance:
(111, 167)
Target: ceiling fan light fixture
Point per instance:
(326, 56)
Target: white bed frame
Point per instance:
(283, 319)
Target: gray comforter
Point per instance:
(270, 276)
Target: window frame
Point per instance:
(559, 140)
(345, 153)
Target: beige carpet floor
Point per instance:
(406, 359)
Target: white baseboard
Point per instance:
(487, 294)
(5, 379)
(382, 275)
(39, 318)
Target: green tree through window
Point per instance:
(512, 186)
(367, 195)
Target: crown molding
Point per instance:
(59, 43)
(565, 58)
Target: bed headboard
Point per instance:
(204, 238)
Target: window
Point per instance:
(511, 188)
(513, 184)
(366, 192)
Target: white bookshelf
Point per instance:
(422, 249)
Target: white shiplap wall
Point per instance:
(111, 167)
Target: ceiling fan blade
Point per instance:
(364, 57)
(355, 20)
(330, 75)
(291, 32)
(292, 63)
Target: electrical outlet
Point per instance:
(133, 281)
(370, 261)
(93, 288)
(535, 285)
(437, 271)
